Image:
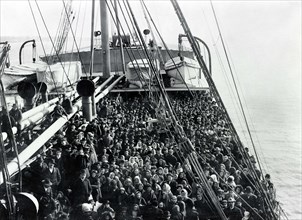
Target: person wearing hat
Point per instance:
(81, 160)
(81, 189)
(67, 104)
(44, 189)
(59, 111)
(249, 199)
(45, 198)
(123, 215)
(105, 209)
(59, 160)
(53, 174)
(232, 212)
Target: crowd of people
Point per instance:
(125, 164)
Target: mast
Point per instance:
(93, 110)
(105, 38)
(119, 36)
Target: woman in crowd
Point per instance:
(132, 167)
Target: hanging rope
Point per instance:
(74, 38)
(239, 99)
(166, 47)
(235, 85)
(36, 25)
(50, 38)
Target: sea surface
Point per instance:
(273, 107)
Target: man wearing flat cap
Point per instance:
(53, 174)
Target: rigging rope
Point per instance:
(235, 85)
(177, 127)
(241, 107)
(74, 40)
(36, 25)
(53, 44)
(213, 88)
(166, 47)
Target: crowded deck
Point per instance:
(126, 164)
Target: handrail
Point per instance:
(21, 49)
(34, 115)
(204, 44)
(27, 153)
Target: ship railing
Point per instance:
(34, 115)
(28, 152)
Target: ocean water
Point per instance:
(273, 106)
(275, 121)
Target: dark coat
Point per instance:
(54, 177)
(80, 191)
(233, 214)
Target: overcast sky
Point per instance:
(262, 36)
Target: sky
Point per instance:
(274, 26)
(263, 41)
(263, 38)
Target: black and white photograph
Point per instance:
(150, 110)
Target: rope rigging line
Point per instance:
(6, 177)
(231, 92)
(145, 52)
(249, 117)
(131, 50)
(37, 28)
(224, 181)
(171, 133)
(74, 38)
(217, 175)
(183, 161)
(166, 47)
(213, 88)
(235, 85)
(241, 105)
(127, 50)
(177, 127)
(50, 38)
(58, 30)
